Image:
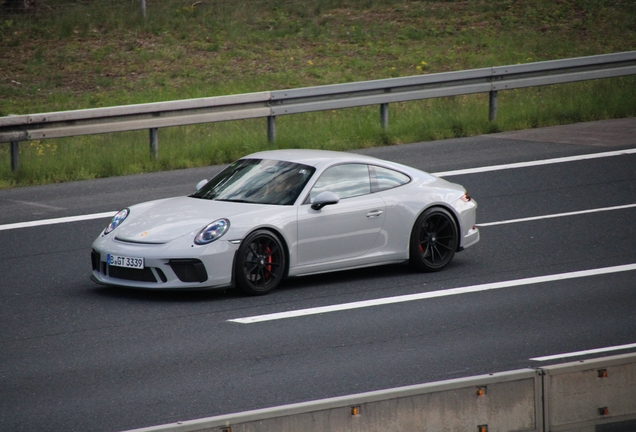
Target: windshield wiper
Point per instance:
(236, 200)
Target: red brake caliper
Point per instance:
(269, 262)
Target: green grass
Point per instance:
(75, 55)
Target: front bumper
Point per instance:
(175, 265)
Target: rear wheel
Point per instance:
(260, 263)
(434, 240)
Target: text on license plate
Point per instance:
(122, 261)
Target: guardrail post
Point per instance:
(492, 109)
(271, 129)
(154, 143)
(384, 116)
(15, 155)
(143, 8)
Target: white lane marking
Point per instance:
(535, 163)
(57, 220)
(556, 215)
(439, 174)
(586, 352)
(434, 294)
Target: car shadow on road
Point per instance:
(325, 280)
(356, 276)
(170, 296)
(363, 279)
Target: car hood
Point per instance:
(159, 222)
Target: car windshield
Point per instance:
(258, 181)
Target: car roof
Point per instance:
(312, 157)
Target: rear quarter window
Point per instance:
(346, 181)
(385, 178)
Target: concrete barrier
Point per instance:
(584, 395)
(592, 395)
(499, 402)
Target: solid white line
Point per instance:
(586, 352)
(535, 163)
(111, 214)
(556, 215)
(433, 294)
(57, 220)
(439, 174)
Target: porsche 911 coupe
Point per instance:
(287, 213)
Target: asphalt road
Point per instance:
(75, 356)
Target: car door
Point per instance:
(344, 230)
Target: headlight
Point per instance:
(212, 232)
(117, 220)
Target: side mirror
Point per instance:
(323, 199)
(201, 184)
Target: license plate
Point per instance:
(123, 261)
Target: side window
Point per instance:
(384, 178)
(346, 181)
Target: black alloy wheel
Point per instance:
(434, 240)
(260, 263)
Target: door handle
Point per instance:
(374, 213)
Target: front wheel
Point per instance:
(260, 263)
(434, 240)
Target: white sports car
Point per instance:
(285, 213)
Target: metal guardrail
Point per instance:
(271, 104)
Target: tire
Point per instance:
(434, 240)
(260, 263)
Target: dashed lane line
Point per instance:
(439, 174)
(585, 352)
(535, 163)
(433, 294)
(56, 220)
(556, 215)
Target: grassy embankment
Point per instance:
(74, 55)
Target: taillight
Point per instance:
(466, 197)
